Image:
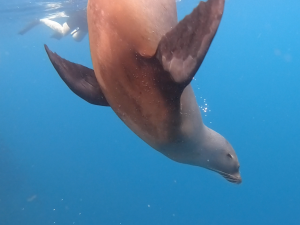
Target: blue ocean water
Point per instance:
(64, 161)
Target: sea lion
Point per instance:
(144, 61)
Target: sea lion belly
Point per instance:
(122, 33)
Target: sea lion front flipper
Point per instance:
(80, 79)
(182, 50)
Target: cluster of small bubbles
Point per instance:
(204, 107)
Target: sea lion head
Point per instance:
(219, 156)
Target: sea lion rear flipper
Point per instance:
(80, 79)
(182, 50)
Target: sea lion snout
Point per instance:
(230, 169)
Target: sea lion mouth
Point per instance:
(237, 179)
(232, 178)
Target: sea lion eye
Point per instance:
(229, 155)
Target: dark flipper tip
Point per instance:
(80, 79)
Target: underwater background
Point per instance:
(64, 161)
